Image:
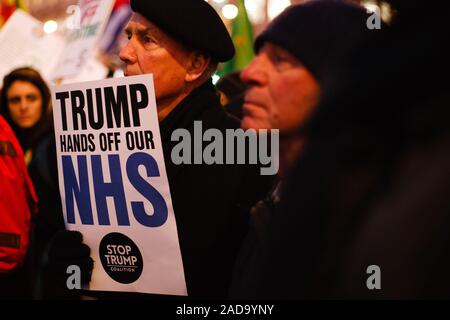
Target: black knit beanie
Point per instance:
(317, 31)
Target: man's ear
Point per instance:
(198, 63)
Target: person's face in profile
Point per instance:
(282, 92)
(150, 50)
(24, 104)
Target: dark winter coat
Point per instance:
(211, 203)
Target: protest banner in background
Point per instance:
(114, 186)
(81, 41)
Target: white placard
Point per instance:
(24, 43)
(114, 186)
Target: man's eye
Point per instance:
(284, 62)
(147, 40)
(277, 58)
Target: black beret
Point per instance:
(192, 22)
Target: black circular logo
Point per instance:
(121, 258)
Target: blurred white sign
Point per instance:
(24, 43)
(81, 41)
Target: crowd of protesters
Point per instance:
(364, 153)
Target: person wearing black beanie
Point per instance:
(285, 84)
(294, 54)
(365, 213)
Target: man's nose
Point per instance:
(128, 54)
(254, 74)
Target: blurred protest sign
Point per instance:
(81, 41)
(24, 43)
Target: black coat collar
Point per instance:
(202, 104)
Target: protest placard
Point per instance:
(114, 185)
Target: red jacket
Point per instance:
(17, 201)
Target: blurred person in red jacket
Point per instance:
(17, 205)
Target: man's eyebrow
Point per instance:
(145, 31)
(153, 32)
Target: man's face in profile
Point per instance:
(282, 92)
(150, 50)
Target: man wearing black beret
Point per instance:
(181, 43)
